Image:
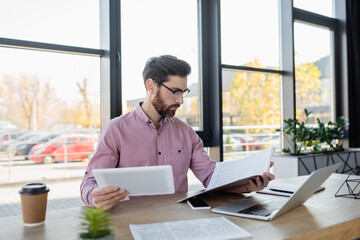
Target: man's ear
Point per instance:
(151, 86)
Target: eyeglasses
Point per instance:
(177, 93)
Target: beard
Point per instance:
(161, 108)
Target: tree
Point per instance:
(255, 97)
(307, 88)
(20, 93)
(85, 103)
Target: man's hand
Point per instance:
(259, 184)
(108, 197)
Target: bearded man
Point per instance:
(150, 135)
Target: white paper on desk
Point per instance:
(283, 189)
(197, 229)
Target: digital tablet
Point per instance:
(138, 181)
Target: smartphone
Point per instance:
(197, 204)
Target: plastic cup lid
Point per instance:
(34, 189)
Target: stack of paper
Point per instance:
(197, 229)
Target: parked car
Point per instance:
(239, 142)
(5, 136)
(73, 147)
(247, 142)
(23, 148)
(272, 140)
(4, 144)
(231, 144)
(12, 145)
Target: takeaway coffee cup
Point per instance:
(33, 203)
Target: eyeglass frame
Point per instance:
(179, 92)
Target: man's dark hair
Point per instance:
(159, 68)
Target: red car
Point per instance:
(78, 147)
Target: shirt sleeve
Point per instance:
(106, 155)
(201, 164)
(203, 167)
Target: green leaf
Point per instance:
(286, 150)
(95, 223)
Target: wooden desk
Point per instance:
(323, 216)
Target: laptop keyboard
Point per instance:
(263, 209)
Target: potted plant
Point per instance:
(95, 224)
(306, 138)
(313, 146)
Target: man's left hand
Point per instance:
(259, 184)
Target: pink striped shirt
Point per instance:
(132, 140)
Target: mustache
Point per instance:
(174, 105)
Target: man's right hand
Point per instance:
(108, 197)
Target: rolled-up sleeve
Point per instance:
(107, 155)
(201, 164)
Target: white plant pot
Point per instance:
(287, 166)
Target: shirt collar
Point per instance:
(141, 114)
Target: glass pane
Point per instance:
(313, 78)
(251, 112)
(323, 7)
(45, 99)
(74, 23)
(167, 31)
(249, 32)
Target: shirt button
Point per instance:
(179, 151)
(159, 153)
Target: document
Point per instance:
(283, 189)
(234, 173)
(197, 229)
(247, 167)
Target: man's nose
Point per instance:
(180, 99)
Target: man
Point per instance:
(151, 135)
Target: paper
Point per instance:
(252, 165)
(235, 173)
(283, 189)
(204, 229)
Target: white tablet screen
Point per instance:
(138, 181)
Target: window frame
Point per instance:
(210, 65)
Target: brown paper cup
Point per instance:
(33, 205)
(34, 209)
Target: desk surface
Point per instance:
(322, 216)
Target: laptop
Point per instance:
(272, 208)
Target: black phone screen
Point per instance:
(197, 202)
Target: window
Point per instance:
(250, 99)
(49, 81)
(251, 112)
(70, 141)
(323, 7)
(73, 23)
(167, 30)
(63, 88)
(229, 44)
(249, 33)
(313, 72)
(82, 140)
